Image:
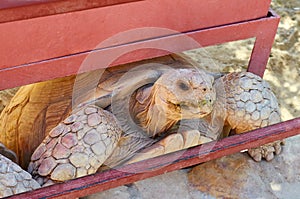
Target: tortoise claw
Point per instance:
(267, 151)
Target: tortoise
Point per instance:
(13, 179)
(134, 110)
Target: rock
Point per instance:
(165, 186)
(116, 193)
(170, 185)
(234, 176)
(237, 176)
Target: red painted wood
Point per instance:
(84, 4)
(59, 35)
(68, 65)
(170, 162)
(21, 9)
(12, 4)
(65, 4)
(262, 47)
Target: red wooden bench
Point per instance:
(46, 39)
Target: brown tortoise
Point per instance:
(133, 109)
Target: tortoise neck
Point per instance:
(150, 112)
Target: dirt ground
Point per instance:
(283, 69)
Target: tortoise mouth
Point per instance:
(188, 110)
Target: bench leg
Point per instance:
(262, 46)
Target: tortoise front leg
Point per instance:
(13, 179)
(76, 147)
(250, 104)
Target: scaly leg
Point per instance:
(13, 179)
(76, 147)
(250, 104)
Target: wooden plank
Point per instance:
(43, 38)
(64, 4)
(19, 10)
(104, 57)
(263, 45)
(170, 162)
(12, 4)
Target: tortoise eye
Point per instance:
(204, 89)
(183, 86)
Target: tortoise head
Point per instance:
(185, 93)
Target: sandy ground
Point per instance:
(283, 69)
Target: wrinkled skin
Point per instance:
(178, 94)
